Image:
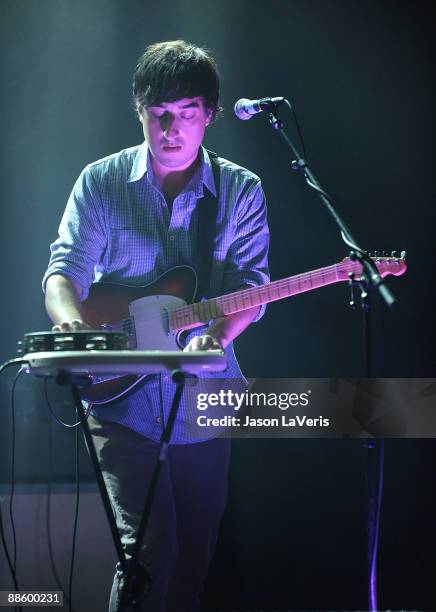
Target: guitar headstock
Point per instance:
(387, 263)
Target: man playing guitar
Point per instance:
(131, 217)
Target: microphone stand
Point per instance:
(370, 278)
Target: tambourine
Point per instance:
(83, 340)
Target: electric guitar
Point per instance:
(156, 316)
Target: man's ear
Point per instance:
(138, 110)
(209, 117)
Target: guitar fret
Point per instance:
(210, 306)
(218, 309)
(222, 304)
(206, 310)
(248, 297)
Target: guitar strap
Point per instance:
(207, 222)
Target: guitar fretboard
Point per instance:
(199, 313)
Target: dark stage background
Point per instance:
(361, 75)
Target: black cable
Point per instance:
(11, 565)
(346, 237)
(300, 164)
(381, 462)
(55, 416)
(382, 339)
(68, 597)
(11, 362)
(76, 516)
(5, 548)
(300, 134)
(48, 514)
(12, 491)
(374, 483)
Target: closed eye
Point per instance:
(159, 113)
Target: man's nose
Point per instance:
(169, 125)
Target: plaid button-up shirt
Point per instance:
(117, 227)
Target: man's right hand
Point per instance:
(73, 325)
(62, 299)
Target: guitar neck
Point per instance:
(201, 312)
(277, 290)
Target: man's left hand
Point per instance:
(206, 342)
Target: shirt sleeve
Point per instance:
(247, 258)
(82, 236)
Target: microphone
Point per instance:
(245, 109)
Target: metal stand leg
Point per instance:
(137, 581)
(99, 477)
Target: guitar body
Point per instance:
(142, 312)
(108, 303)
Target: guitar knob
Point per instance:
(394, 254)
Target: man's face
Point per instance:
(174, 131)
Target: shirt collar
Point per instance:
(141, 166)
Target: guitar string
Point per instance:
(227, 299)
(127, 323)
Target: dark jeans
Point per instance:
(187, 510)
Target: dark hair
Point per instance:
(169, 71)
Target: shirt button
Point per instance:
(172, 237)
(158, 419)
